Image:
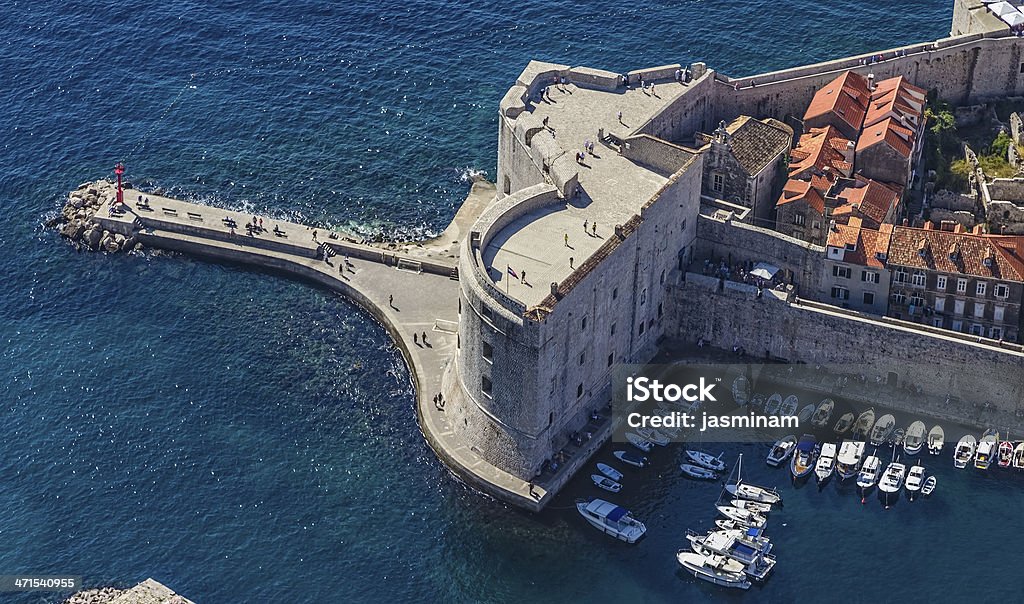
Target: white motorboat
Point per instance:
(750, 491)
(771, 407)
(714, 569)
(752, 538)
(929, 486)
(612, 520)
(732, 544)
(705, 460)
(915, 479)
(631, 458)
(731, 525)
(964, 452)
(868, 475)
(826, 462)
(892, 478)
(986, 449)
(863, 426)
(789, 406)
(844, 424)
(745, 517)
(1005, 454)
(781, 450)
(913, 441)
(1017, 461)
(936, 440)
(698, 472)
(609, 471)
(603, 482)
(652, 436)
(804, 417)
(741, 390)
(638, 442)
(823, 412)
(851, 453)
(753, 506)
(802, 463)
(883, 428)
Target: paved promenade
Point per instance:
(411, 289)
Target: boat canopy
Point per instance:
(753, 532)
(806, 444)
(617, 513)
(764, 270)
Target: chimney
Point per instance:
(948, 226)
(927, 225)
(959, 228)
(871, 82)
(979, 230)
(906, 222)
(848, 154)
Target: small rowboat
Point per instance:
(822, 413)
(603, 482)
(609, 471)
(789, 405)
(1018, 456)
(1005, 454)
(638, 442)
(929, 486)
(772, 406)
(844, 424)
(631, 458)
(698, 472)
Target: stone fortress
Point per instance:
(583, 260)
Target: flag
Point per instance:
(511, 272)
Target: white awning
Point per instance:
(1002, 8)
(1013, 19)
(764, 271)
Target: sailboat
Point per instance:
(750, 491)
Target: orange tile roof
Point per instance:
(1007, 253)
(897, 98)
(871, 198)
(846, 96)
(868, 243)
(891, 132)
(818, 148)
(802, 190)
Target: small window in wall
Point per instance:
(507, 185)
(1022, 68)
(869, 298)
(551, 418)
(661, 281)
(615, 293)
(642, 327)
(583, 323)
(488, 352)
(718, 183)
(643, 297)
(583, 357)
(613, 329)
(611, 358)
(579, 391)
(659, 310)
(485, 385)
(682, 226)
(460, 305)
(458, 340)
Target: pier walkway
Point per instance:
(411, 289)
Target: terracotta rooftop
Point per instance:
(959, 253)
(846, 96)
(896, 97)
(818, 148)
(756, 143)
(871, 198)
(862, 246)
(891, 132)
(797, 190)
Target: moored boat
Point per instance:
(986, 449)
(727, 524)
(929, 486)
(741, 390)
(802, 463)
(705, 460)
(822, 413)
(892, 478)
(868, 475)
(638, 442)
(804, 417)
(781, 450)
(653, 436)
(851, 453)
(882, 429)
(698, 472)
(1005, 454)
(744, 517)
(863, 426)
(753, 506)
(936, 440)
(789, 406)
(611, 520)
(964, 452)
(713, 569)
(826, 462)
(603, 482)
(914, 440)
(771, 406)
(1018, 456)
(609, 471)
(734, 545)
(631, 458)
(843, 424)
(757, 401)
(915, 479)
(750, 491)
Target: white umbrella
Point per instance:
(1002, 8)
(764, 271)
(1013, 19)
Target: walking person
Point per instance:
(570, 262)
(584, 226)
(594, 225)
(522, 278)
(566, 236)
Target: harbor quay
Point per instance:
(604, 241)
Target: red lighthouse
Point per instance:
(119, 170)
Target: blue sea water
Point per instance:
(247, 438)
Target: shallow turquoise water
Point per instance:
(243, 437)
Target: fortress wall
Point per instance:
(939, 365)
(693, 111)
(516, 166)
(661, 156)
(964, 70)
(748, 243)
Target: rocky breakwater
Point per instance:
(76, 221)
(103, 595)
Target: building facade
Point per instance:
(855, 272)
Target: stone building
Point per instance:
(855, 271)
(965, 282)
(842, 104)
(743, 163)
(801, 209)
(874, 203)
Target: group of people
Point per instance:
(740, 272)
